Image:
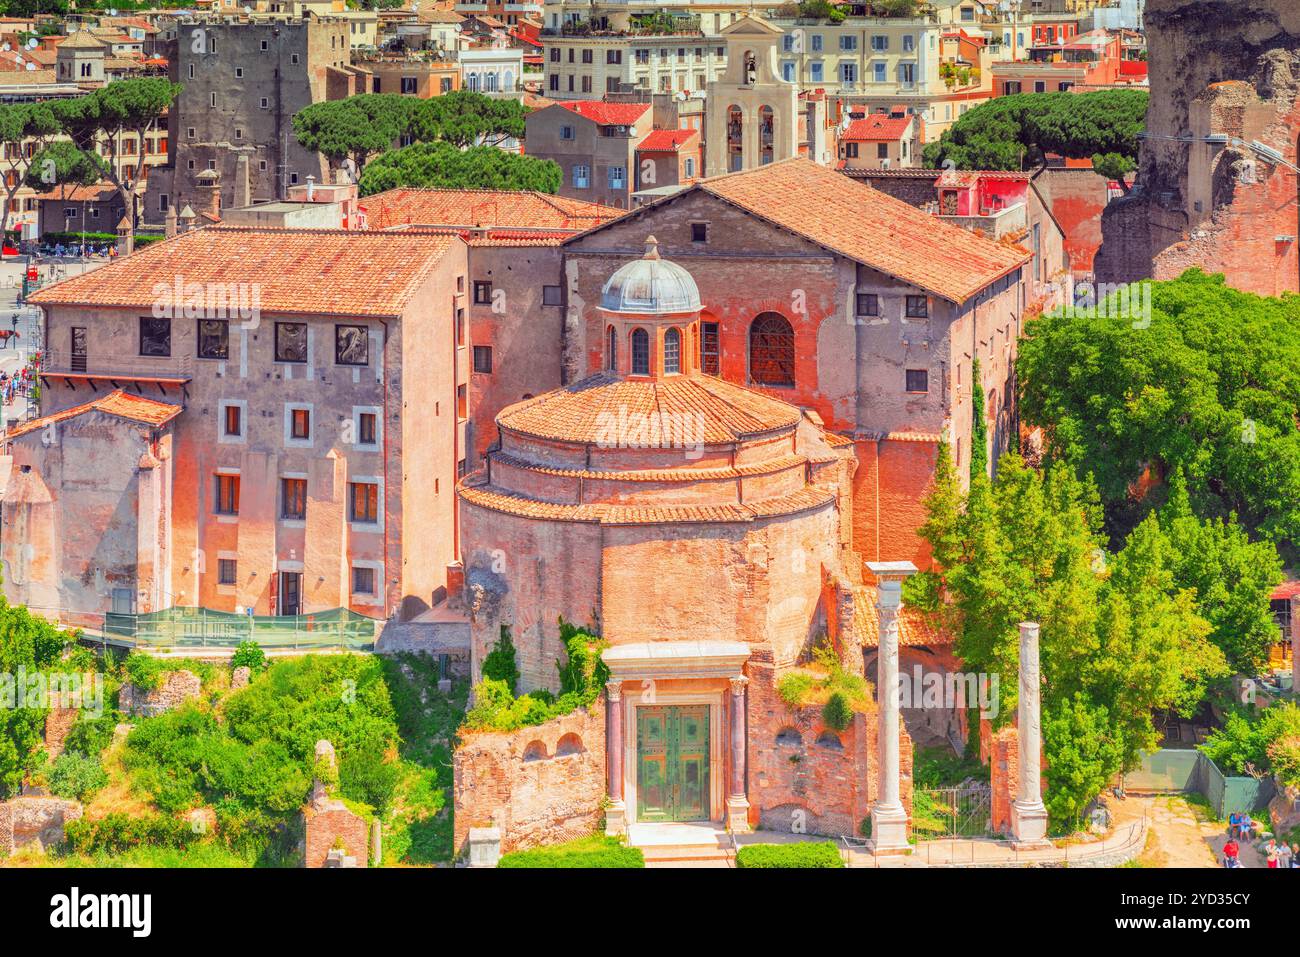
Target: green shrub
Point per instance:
(794, 688)
(1267, 741)
(249, 655)
(822, 854)
(499, 664)
(75, 776)
(838, 711)
(365, 775)
(597, 851)
(582, 678)
(90, 736)
(115, 833)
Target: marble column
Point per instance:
(1028, 816)
(888, 816)
(737, 801)
(616, 813)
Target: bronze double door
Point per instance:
(672, 763)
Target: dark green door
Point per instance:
(672, 773)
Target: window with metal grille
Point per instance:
(227, 494)
(918, 380)
(227, 571)
(771, 350)
(293, 498)
(640, 352)
(363, 580)
(672, 351)
(364, 498)
(918, 307)
(710, 349)
(482, 358)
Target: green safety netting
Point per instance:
(202, 628)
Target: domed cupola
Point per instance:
(651, 286)
(652, 317)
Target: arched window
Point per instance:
(735, 139)
(829, 739)
(766, 135)
(771, 350)
(640, 352)
(789, 737)
(611, 349)
(536, 751)
(569, 744)
(672, 351)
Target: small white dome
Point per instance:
(651, 285)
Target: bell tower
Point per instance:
(753, 114)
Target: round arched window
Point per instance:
(672, 351)
(611, 351)
(640, 352)
(771, 350)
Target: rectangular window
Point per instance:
(848, 43)
(909, 43)
(291, 342)
(364, 502)
(482, 293)
(918, 307)
(868, 304)
(155, 336)
(581, 177)
(214, 339)
(882, 151)
(300, 423)
(848, 73)
(483, 359)
(227, 494)
(879, 72)
(293, 498)
(226, 571)
(880, 43)
(234, 420)
(616, 177)
(816, 42)
(462, 402)
(351, 345)
(551, 296)
(410, 84)
(816, 72)
(699, 232)
(710, 351)
(366, 429)
(918, 380)
(363, 580)
(566, 132)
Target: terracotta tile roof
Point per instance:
(312, 271)
(585, 411)
(25, 77)
(683, 474)
(806, 499)
(914, 628)
(608, 114)
(877, 128)
(866, 225)
(99, 193)
(665, 141)
(1287, 589)
(126, 405)
(483, 207)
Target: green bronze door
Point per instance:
(672, 767)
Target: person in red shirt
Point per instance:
(1230, 854)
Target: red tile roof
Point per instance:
(665, 141)
(877, 127)
(914, 627)
(608, 114)
(99, 193)
(868, 226)
(582, 412)
(299, 271)
(511, 209)
(126, 405)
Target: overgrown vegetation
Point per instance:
(1121, 636)
(828, 683)
(802, 855)
(582, 678)
(1258, 742)
(596, 851)
(249, 655)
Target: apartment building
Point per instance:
(246, 420)
(595, 145)
(506, 11)
(881, 141)
(242, 82)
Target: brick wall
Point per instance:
(329, 825)
(34, 822)
(541, 785)
(175, 688)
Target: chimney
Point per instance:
(169, 229)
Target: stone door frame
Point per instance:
(649, 696)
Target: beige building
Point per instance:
(246, 420)
(753, 116)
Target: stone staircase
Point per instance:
(683, 845)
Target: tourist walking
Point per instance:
(1230, 851)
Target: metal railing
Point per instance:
(203, 628)
(55, 361)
